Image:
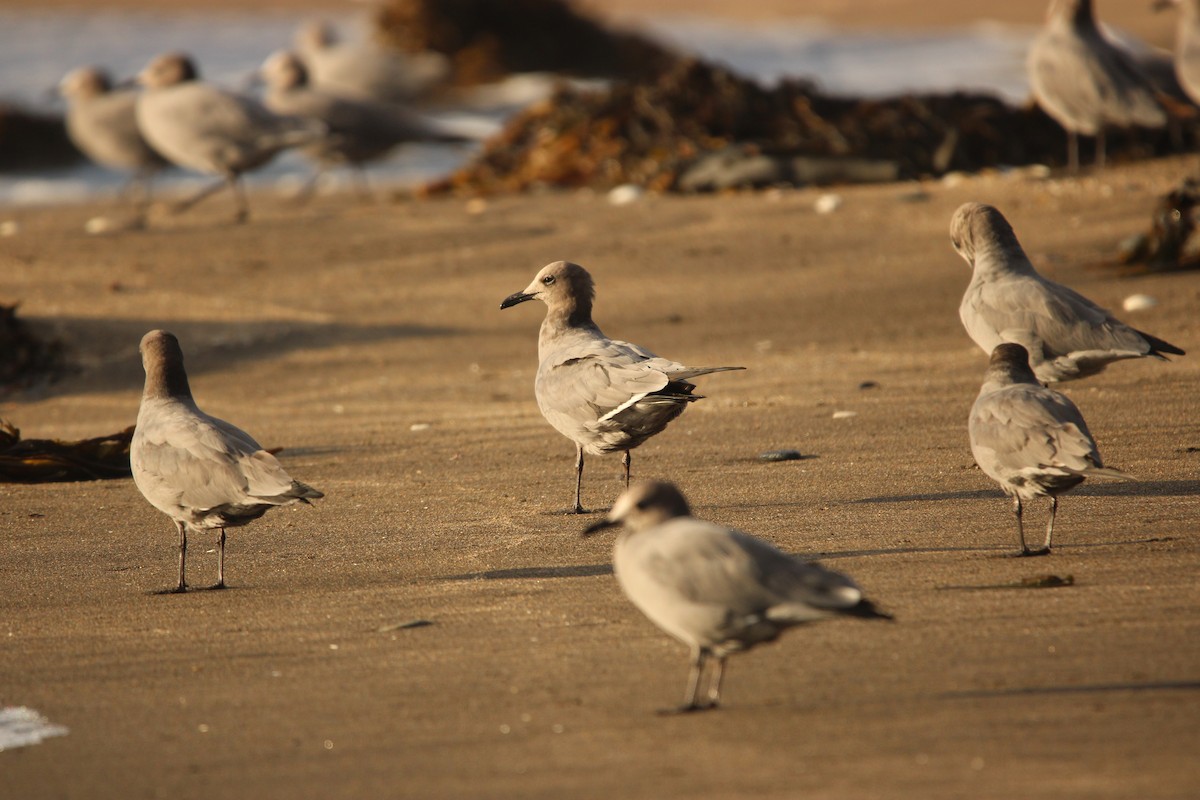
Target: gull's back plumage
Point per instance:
(1067, 335)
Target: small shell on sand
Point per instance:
(1138, 302)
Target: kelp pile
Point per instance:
(651, 133)
(487, 40)
(24, 356)
(670, 123)
(1168, 245)
(52, 460)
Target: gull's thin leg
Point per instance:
(308, 189)
(213, 188)
(699, 655)
(1050, 525)
(182, 586)
(221, 561)
(1072, 152)
(145, 185)
(578, 477)
(714, 682)
(362, 187)
(1100, 149)
(239, 192)
(625, 460)
(1020, 526)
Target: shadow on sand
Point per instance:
(518, 573)
(102, 354)
(1099, 688)
(1096, 489)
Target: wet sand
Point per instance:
(340, 330)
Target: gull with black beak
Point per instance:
(603, 394)
(717, 590)
(1030, 439)
(201, 471)
(1067, 335)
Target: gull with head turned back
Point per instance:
(1030, 439)
(603, 394)
(1067, 335)
(717, 590)
(1085, 82)
(201, 471)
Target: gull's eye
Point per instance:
(549, 279)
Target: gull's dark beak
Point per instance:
(514, 299)
(596, 527)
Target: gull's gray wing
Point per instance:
(1028, 427)
(199, 462)
(708, 564)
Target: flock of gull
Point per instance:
(339, 104)
(717, 590)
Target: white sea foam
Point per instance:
(21, 727)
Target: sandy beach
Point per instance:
(367, 341)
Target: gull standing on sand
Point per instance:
(1067, 335)
(358, 131)
(603, 394)
(102, 122)
(366, 70)
(1030, 439)
(200, 471)
(717, 590)
(201, 127)
(1085, 82)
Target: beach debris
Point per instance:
(23, 355)
(828, 203)
(624, 194)
(697, 126)
(781, 455)
(21, 726)
(1138, 302)
(486, 41)
(60, 461)
(1168, 245)
(403, 626)
(844, 414)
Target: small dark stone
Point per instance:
(869, 385)
(781, 455)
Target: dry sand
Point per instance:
(339, 330)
